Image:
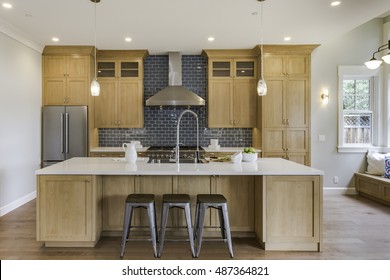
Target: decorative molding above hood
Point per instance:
(175, 94)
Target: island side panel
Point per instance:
(293, 213)
(68, 210)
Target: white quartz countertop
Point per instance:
(117, 166)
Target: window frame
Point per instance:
(375, 76)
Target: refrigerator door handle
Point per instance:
(67, 133)
(62, 133)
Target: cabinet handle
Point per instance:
(88, 181)
(234, 122)
(287, 122)
(119, 122)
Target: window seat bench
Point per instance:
(374, 187)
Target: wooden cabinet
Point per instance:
(231, 88)
(285, 113)
(239, 192)
(115, 191)
(68, 211)
(120, 103)
(107, 154)
(66, 75)
(289, 212)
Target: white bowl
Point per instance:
(249, 157)
(236, 158)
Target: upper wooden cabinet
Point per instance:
(285, 110)
(66, 75)
(232, 76)
(120, 104)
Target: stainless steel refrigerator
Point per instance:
(65, 133)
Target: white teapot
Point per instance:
(130, 152)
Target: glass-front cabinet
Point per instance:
(233, 68)
(118, 69)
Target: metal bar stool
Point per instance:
(139, 201)
(219, 202)
(175, 201)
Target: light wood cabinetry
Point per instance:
(66, 75)
(289, 211)
(239, 193)
(107, 154)
(231, 88)
(120, 103)
(68, 212)
(285, 110)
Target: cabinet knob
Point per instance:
(88, 181)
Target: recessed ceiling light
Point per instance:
(128, 39)
(335, 3)
(210, 39)
(55, 39)
(7, 5)
(287, 38)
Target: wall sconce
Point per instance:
(325, 96)
(373, 63)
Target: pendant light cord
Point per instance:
(261, 39)
(95, 45)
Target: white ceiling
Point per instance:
(184, 25)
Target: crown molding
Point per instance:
(16, 34)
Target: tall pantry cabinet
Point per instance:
(283, 128)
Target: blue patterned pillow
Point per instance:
(387, 168)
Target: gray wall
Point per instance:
(20, 107)
(353, 48)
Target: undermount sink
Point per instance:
(182, 160)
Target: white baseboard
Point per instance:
(331, 191)
(17, 203)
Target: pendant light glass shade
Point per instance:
(95, 87)
(386, 58)
(373, 63)
(261, 87)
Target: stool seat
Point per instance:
(211, 198)
(176, 198)
(140, 198)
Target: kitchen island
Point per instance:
(278, 201)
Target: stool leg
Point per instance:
(126, 227)
(202, 212)
(152, 223)
(155, 220)
(221, 222)
(164, 220)
(189, 227)
(227, 228)
(196, 221)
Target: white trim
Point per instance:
(20, 36)
(17, 203)
(339, 191)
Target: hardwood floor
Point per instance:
(354, 228)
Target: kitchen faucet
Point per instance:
(178, 136)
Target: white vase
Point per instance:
(130, 152)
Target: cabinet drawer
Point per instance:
(371, 188)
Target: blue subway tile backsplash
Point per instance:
(160, 124)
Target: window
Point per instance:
(359, 111)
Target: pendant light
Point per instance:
(95, 86)
(373, 63)
(261, 84)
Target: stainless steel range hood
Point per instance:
(175, 94)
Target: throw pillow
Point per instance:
(387, 168)
(376, 163)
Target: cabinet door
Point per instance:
(273, 65)
(54, 66)
(147, 184)
(115, 191)
(273, 103)
(130, 103)
(244, 100)
(297, 139)
(239, 192)
(77, 66)
(193, 185)
(220, 103)
(54, 91)
(105, 104)
(297, 103)
(297, 65)
(274, 140)
(65, 208)
(245, 68)
(220, 68)
(129, 69)
(77, 91)
(301, 158)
